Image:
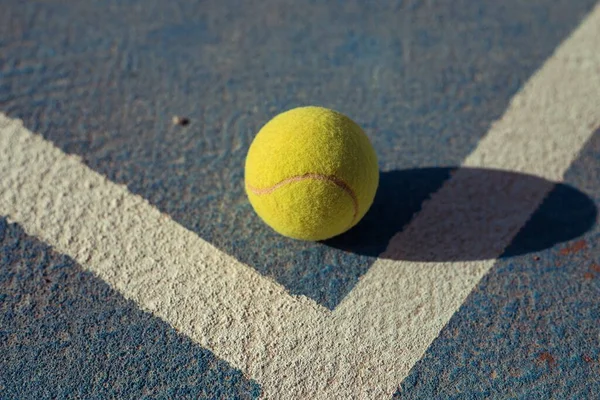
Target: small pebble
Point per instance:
(181, 121)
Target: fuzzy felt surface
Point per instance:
(311, 173)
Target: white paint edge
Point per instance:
(166, 269)
(293, 347)
(406, 304)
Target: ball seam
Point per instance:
(297, 178)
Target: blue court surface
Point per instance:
(433, 83)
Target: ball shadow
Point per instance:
(565, 213)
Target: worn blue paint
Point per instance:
(531, 329)
(102, 79)
(66, 334)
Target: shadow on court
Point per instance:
(466, 223)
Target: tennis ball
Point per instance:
(311, 173)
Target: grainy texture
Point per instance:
(369, 343)
(102, 80)
(64, 333)
(531, 328)
(425, 79)
(166, 269)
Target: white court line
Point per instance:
(406, 304)
(293, 347)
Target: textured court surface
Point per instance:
(132, 265)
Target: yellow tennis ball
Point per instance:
(311, 173)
